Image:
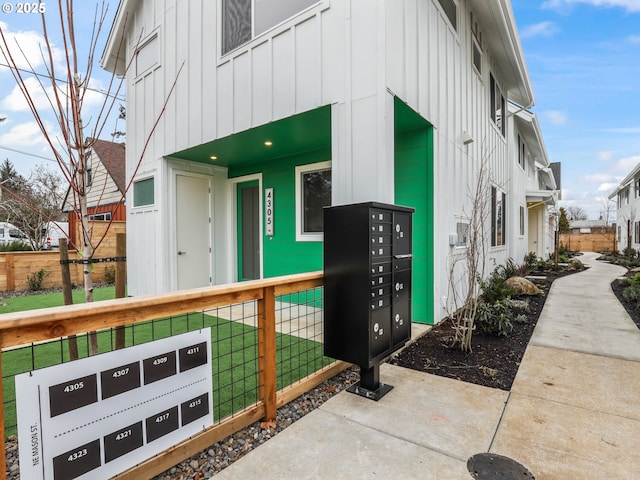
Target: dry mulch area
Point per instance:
(493, 361)
(632, 308)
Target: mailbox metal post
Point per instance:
(367, 268)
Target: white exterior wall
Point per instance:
(352, 54)
(429, 66)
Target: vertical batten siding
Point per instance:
(261, 69)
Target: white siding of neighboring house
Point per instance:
(103, 190)
(354, 55)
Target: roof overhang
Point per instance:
(625, 182)
(497, 20)
(114, 57)
(529, 128)
(537, 198)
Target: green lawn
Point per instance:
(234, 354)
(44, 300)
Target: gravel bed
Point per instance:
(223, 453)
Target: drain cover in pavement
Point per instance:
(489, 466)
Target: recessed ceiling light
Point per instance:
(268, 143)
(213, 157)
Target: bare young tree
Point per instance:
(467, 268)
(66, 89)
(32, 203)
(576, 213)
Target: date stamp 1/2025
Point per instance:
(24, 7)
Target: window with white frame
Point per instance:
(242, 20)
(143, 192)
(522, 152)
(636, 187)
(498, 224)
(498, 105)
(313, 193)
(102, 216)
(147, 55)
(477, 56)
(476, 45)
(522, 215)
(451, 11)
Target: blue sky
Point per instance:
(19, 132)
(583, 58)
(584, 62)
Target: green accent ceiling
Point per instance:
(294, 135)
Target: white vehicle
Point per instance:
(10, 233)
(53, 233)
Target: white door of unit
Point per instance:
(193, 231)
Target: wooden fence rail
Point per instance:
(15, 267)
(53, 323)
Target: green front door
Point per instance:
(248, 230)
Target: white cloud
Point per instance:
(634, 39)
(604, 156)
(607, 187)
(625, 165)
(632, 130)
(15, 101)
(27, 48)
(556, 117)
(597, 177)
(542, 29)
(629, 5)
(25, 135)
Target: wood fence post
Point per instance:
(267, 352)
(67, 292)
(11, 273)
(121, 281)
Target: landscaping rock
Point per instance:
(576, 264)
(522, 286)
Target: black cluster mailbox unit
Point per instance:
(367, 282)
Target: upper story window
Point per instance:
(522, 152)
(242, 20)
(498, 105)
(636, 187)
(451, 11)
(498, 224)
(476, 45)
(147, 55)
(623, 197)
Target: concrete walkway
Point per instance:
(573, 411)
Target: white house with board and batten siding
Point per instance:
(315, 103)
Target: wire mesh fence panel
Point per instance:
(299, 323)
(239, 361)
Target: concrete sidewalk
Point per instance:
(573, 411)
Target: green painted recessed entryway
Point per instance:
(414, 188)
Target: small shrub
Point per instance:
(520, 318)
(494, 318)
(531, 260)
(15, 247)
(110, 274)
(544, 264)
(493, 288)
(632, 290)
(35, 279)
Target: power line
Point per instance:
(30, 72)
(2, 147)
